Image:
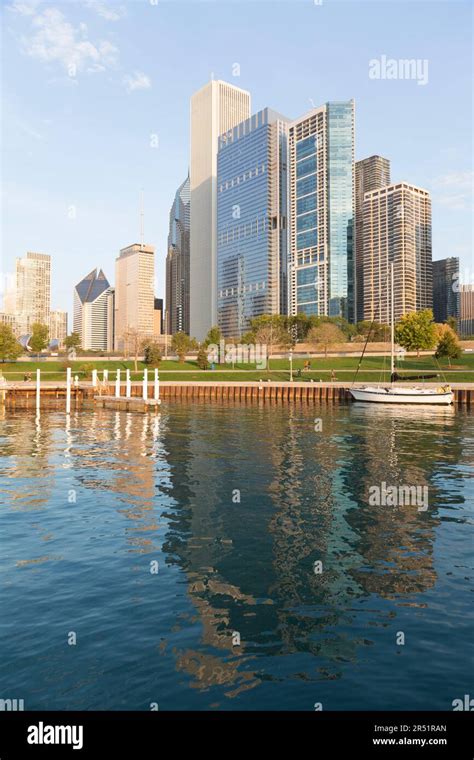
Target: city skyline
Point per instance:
(105, 160)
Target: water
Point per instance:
(87, 506)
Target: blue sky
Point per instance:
(77, 144)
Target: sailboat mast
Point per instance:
(392, 324)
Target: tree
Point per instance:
(39, 337)
(379, 332)
(213, 336)
(416, 331)
(202, 360)
(325, 335)
(134, 341)
(271, 331)
(180, 344)
(453, 324)
(73, 340)
(10, 349)
(448, 346)
(152, 354)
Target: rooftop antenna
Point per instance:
(142, 219)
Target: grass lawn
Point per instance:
(373, 369)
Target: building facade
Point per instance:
(93, 318)
(158, 317)
(134, 293)
(252, 261)
(215, 108)
(58, 326)
(397, 229)
(466, 310)
(321, 199)
(177, 263)
(33, 291)
(446, 299)
(370, 174)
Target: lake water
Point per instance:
(156, 543)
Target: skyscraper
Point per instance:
(446, 289)
(466, 313)
(215, 109)
(177, 263)
(397, 228)
(93, 317)
(370, 174)
(134, 293)
(33, 290)
(321, 197)
(58, 326)
(252, 221)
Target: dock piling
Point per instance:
(68, 390)
(117, 384)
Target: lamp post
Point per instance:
(290, 355)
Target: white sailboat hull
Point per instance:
(403, 395)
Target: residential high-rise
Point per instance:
(252, 216)
(58, 326)
(446, 289)
(370, 174)
(33, 290)
(321, 198)
(93, 318)
(134, 293)
(177, 263)
(466, 310)
(215, 109)
(397, 228)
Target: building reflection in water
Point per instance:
(243, 501)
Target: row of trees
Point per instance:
(416, 331)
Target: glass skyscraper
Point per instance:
(252, 221)
(321, 190)
(177, 263)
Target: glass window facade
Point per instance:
(340, 117)
(251, 232)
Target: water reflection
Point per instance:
(241, 502)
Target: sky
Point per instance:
(95, 108)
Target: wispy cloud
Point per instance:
(24, 7)
(53, 40)
(137, 81)
(104, 10)
(454, 190)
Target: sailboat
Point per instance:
(401, 395)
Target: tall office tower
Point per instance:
(252, 215)
(177, 263)
(134, 293)
(446, 288)
(397, 228)
(33, 290)
(215, 109)
(58, 326)
(370, 174)
(92, 315)
(321, 197)
(158, 317)
(466, 310)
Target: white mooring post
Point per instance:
(117, 384)
(145, 384)
(128, 387)
(157, 387)
(38, 391)
(94, 378)
(68, 390)
(106, 376)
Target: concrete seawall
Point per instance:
(23, 395)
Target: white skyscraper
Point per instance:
(93, 315)
(215, 109)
